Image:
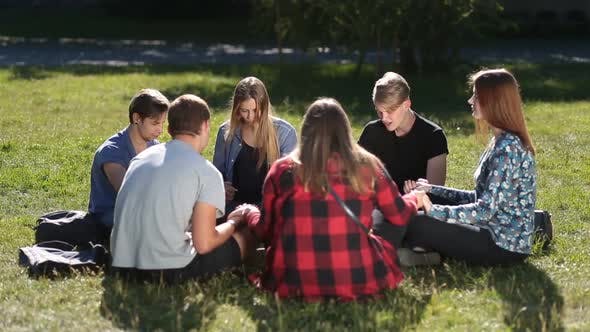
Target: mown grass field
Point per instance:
(52, 120)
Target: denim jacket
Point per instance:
(225, 155)
(503, 201)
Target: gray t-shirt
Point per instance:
(155, 204)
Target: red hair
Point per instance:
(498, 96)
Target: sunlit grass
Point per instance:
(52, 120)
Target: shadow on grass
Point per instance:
(544, 82)
(531, 300)
(397, 310)
(231, 301)
(149, 307)
(217, 96)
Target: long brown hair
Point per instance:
(497, 93)
(266, 136)
(326, 132)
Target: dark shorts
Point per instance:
(224, 257)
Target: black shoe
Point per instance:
(408, 257)
(543, 228)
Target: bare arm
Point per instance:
(115, 174)
(206, 235)
(436, 170)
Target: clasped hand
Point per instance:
(241, 213)
(420, 187)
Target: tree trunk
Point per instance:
(278, 32)
(408, 59)
(360, 61)
(394, 50)
(379, 64)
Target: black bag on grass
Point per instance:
(57, 258)
(77, 228)
(543, 229)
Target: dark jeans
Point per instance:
(221, 258)
(389, 232)
(105, 218)
(470, 244)
(462, 242)
(395, 234)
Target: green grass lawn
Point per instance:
(52, 120)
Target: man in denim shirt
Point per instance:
(147, 112)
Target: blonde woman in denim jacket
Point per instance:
(249, 142)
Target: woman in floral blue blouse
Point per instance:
(492, 224)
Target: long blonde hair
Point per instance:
(497, 93)
(266, 135)
(326, 132)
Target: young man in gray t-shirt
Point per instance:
(166, 210)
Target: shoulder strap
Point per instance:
(348, 210)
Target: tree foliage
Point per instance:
(422, 34)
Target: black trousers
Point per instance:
(224, 257)
(395, 234)
(470, 244)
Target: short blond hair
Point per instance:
(391, 89)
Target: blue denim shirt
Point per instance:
(503, 201)
(224, 156)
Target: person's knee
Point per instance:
(422, 230)
(246, 241)
(378, 221)
(421, 221)
(107, 218)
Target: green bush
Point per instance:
(422, 34)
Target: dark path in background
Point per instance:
(67, 51)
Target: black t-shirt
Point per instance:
(248, 179)
(406, 157)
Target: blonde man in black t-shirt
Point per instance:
(411, 147)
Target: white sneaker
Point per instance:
(408, 257)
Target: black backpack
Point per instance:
(77, 228)
(57, 258)
(66, 241)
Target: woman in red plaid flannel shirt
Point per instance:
(314, 249)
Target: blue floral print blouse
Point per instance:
(504, 197)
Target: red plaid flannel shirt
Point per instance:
(314, 250)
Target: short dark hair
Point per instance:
(187, 114)
(148, 103)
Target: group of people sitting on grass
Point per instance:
(327, 209)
